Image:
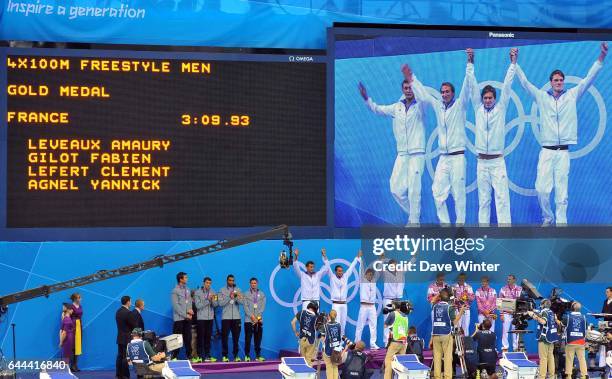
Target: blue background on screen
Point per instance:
(365, 146)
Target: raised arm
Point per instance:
(420, 93)
(586, 82)
(530, 88)
(296, 266)
(354, 263)
(326, 269)
(466, 93)
(383, 110)
(473, 83)
(376, 275)
(474, 92)
(539, 319)
(504, 98)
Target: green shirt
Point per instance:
(149, 349)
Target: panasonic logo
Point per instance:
(501, 35)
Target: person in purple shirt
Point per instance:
(67, 334)
(77, 317)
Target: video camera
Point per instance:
(153, 339)
(450, 290)
(521, 307)
(284, 260)
(597, 336)
(605, 326)
(321, 321)
(349, 344)
(559, 305)
(403, 306)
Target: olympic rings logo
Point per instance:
(353, 290)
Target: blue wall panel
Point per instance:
(27, 265)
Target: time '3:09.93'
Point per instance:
(215, 120)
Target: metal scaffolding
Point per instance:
(160, 261)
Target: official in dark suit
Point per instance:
(606, 308)
(125, 325)
(607, 304)
(139, 306)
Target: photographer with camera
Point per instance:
(487, 355)
(307, 334)
(332, 345)
(547, 337)
(416, 345)
(397, 321)
(354, 361)
(575, 334)
(444, 317)
(140, 351)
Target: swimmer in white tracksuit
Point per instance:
(558, 129)
(409, 134)
(490, 142)
(451, 119)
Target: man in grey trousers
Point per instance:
(182, 312)
(254, 304)
(205, 300)
(230, 298)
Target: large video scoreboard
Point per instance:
(143, 139)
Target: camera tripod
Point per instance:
(521, 341)
(460, 351)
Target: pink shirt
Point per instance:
(485, 298)
(434, 290)
(464, 293)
